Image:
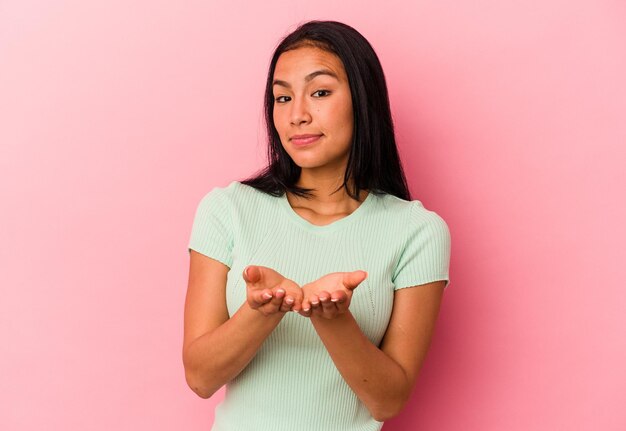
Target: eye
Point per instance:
(277, 99)
(322, 91)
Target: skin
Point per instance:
(217, 348)
(322, 105)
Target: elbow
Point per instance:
(202, 393)
(194, 380)
(389, 409)
(382, 415)
(198, 388)
(391, 404)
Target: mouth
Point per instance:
(303, 140)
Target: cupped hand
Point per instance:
(269, 292)
(330, 295)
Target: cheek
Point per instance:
(278, 122)
(275, 119)
(346, 111)
(340, 118)
(347, 120)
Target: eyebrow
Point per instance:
(307, 78)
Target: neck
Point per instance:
(325, 200)
(324, 185)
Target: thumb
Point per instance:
(251, 274)
(352, 279)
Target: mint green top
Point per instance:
(292, 383)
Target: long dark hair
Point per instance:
(373, 163)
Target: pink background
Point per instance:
(116, 117)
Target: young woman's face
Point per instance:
(312, 97)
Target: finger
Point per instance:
(278, 296)
(297, 304)
(315, 302)
(327, 305)
(306, 308)
(318, 311)
(261, 297)
(341, 300)
(273, 305)
(339, 297)
(287, 304)
(252, 274)
(342, 307)
(323, 296)
(352, 279)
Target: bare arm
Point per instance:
(215, 348)
(382, 377)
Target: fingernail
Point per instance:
(280, 291)
(267, 296)
(334, 300)
(289, 301)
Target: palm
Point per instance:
(329, 283)
(270, 292)
(268, 278)
(330, 295)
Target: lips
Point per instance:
(304, 139)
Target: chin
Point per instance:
(308, 165)
(313, 165)
(314, 161)
(306, 162)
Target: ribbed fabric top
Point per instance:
(292, 383)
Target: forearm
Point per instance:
(215, 358)
(379, 381)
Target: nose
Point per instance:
(300, 112)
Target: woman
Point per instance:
(298, 295)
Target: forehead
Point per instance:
(297, 63)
